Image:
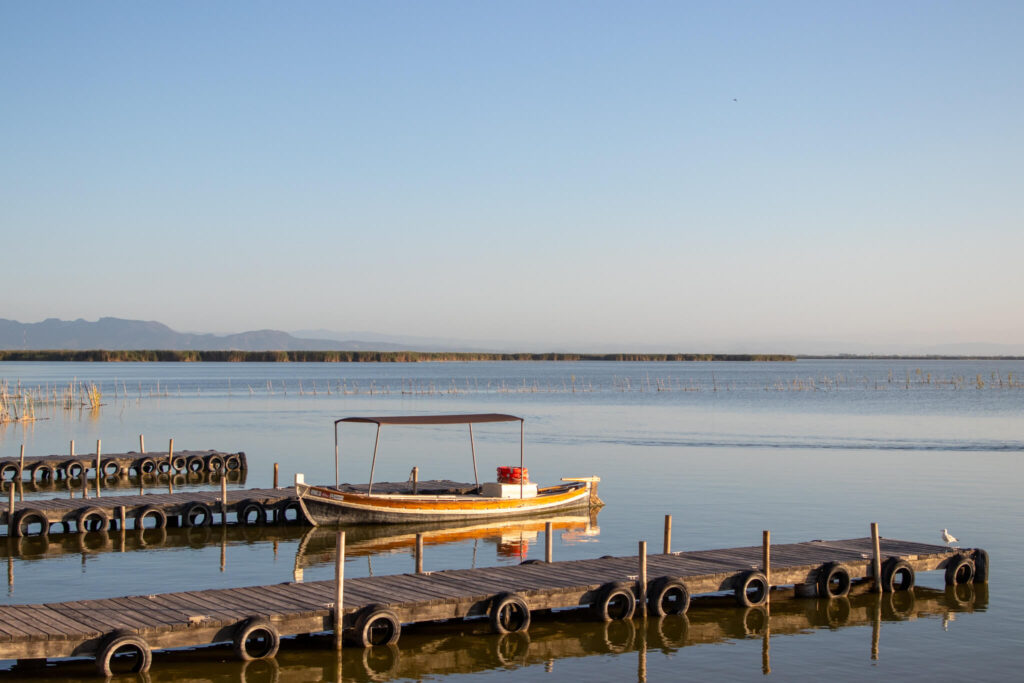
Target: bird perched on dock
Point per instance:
(948, 537)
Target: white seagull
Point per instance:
(948, 537)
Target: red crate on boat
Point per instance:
(513, 475)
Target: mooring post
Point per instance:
(876, 561)
(10, 513)
(547, 542)
(766, 563)
(142, 444)
(643, 578)
(223, 501)
(170, 458)
(419, 553)
(415, 479)
(99, 468)
(275, 475)
(668, 534)
(339, 587)
(21, 463)
(123, 513)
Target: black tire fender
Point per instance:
(247, 506)
(509, 613)
(376, 625)
(85, 514)
(255, 638)
(149, 510)
(615, 601)
(118, 640)
(668, 595)
(25, 517)
(892, 571)
(194, 510)
(751, 589)
(980, 565)
(833, 581)
(960, 569)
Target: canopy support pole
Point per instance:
(373, 463)
(472, 448)
(522, 470)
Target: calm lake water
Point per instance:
(811, 449)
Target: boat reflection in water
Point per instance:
(438, 649)
(512, 538)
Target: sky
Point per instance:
(680, 176)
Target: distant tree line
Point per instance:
(172, 356)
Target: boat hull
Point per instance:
(325, 505)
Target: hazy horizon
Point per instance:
(730, 177)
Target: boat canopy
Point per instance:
(458, 419)
(433, 419)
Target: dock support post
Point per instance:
(99, 468)
(21, 463)
(876, 561)
(547, 542)
(766, 563)
(170, 466)
(124, 517)
(643, 579)
(142, 444)
(339, 586)
(275, 475)
(668, 534)
(415, 480)
(419, 553)
(223, 501)
(10, 513)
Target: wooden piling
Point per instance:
(142, 444)
(766, 564)
(419, 553)
(223, 501)
(643, 578)
(275, 475)
(10, 512)
(876, 560)
(170, 462)
(339, 586)
(668, 534)
(99, 468)
(123, 514)
(415, 479)
(547, 542)
(21, 464)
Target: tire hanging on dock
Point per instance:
(249, 507)
(614, 601)
(197, 514)
(897, 575)
(668, 595)
(833, 581)
(255, 638)
(751, 589)
(123, 640)
(509, 614)
(158, 515)
(959, 570)
(90, 519)
(376, 625)
(27, 516)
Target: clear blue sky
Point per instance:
(691, 176)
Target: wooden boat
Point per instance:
(439, 501)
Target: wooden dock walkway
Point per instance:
(374, 608)
(73, 466)
(154, 510)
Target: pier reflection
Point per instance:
(440, 649)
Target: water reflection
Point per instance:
(468, 647)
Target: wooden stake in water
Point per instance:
(876, 561)
(275, 475)
(223, 501)
(419, 553)
(99, 468)
(547, 542)
(766, 563)
(142, 444)
(339, 587)
(668, 534)
(21, 464)
(10, 512)
(170, 467)
(643, 578)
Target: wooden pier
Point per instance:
(374, 609)
(150, 510)
(76, 465)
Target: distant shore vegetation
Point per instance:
(175, 356)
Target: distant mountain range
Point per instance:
(119, 334)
